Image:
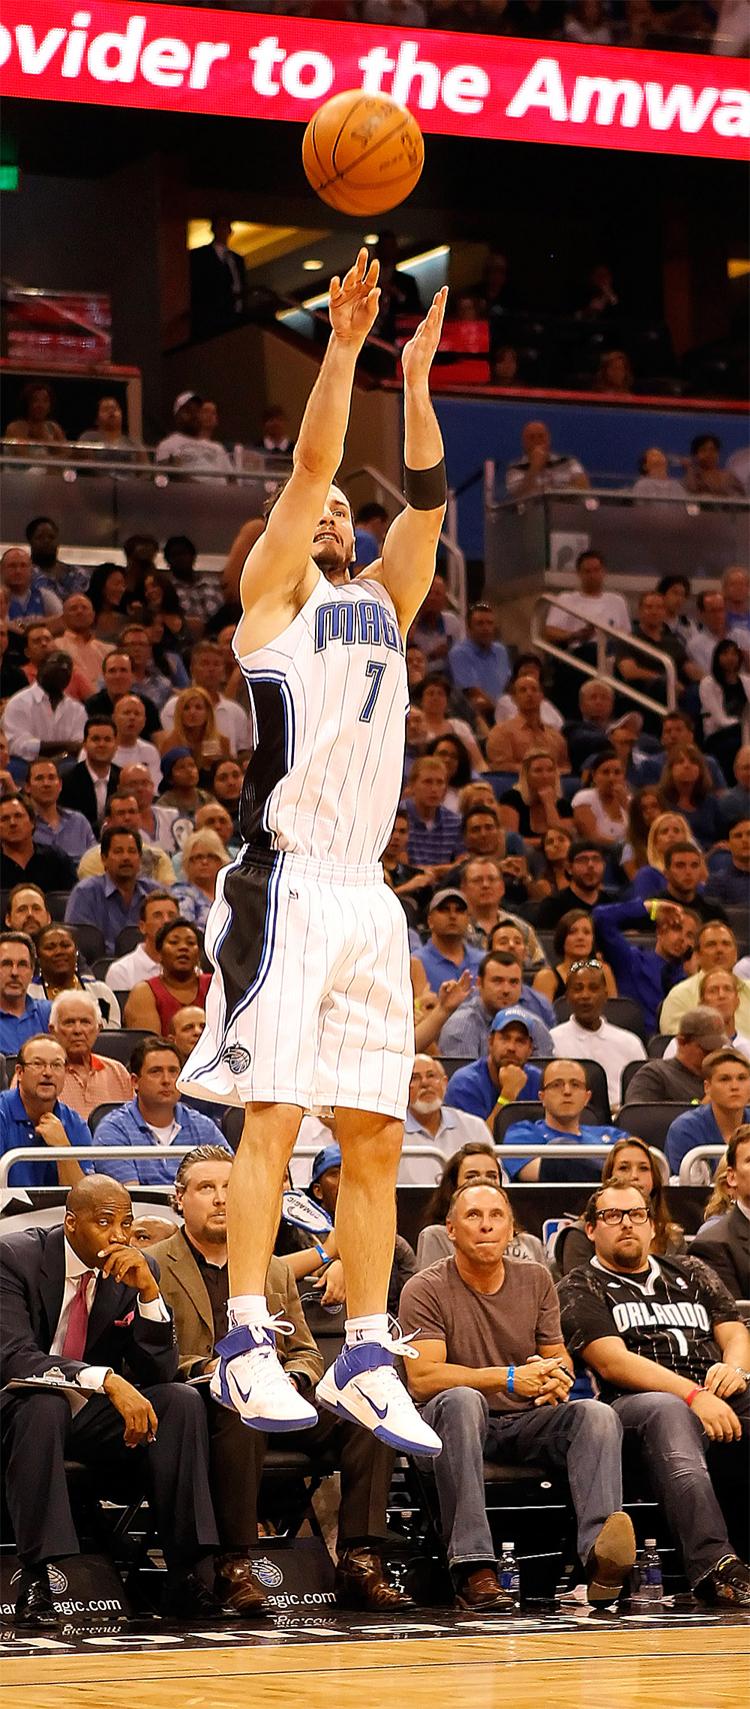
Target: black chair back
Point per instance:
(629, 1070)
(97, 1116)
(119, 1042)
(57, 902)
(657, 1045)
(89, 941)
(650, 1122)
(129, 938)
(451, 1063)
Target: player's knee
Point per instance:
(373, 1149)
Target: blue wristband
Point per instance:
(511, 1380)
(321, 1251)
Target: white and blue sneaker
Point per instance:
(362, 1386)
(250, 1380)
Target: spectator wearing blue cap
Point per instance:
(564, 1095)
(325, 1179)
(499, 986)
(502, 1076)
(446, 955)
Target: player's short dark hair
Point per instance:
(94, 722)
(683, 847)
(502, 956)
(111, 831)
(592, 1203)
(150, 1047)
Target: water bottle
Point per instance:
(508, 1574)
(651, 1587)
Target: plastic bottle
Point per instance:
(651, 1587)
(508, 1574)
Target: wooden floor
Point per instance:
(704, 1667)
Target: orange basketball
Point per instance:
(362, 153)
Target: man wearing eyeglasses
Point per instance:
(672, 1358)
(564, 1095)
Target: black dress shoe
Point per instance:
(361, 1583)
(728, 1583)
(34, 1606)
(190, 1599)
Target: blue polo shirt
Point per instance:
(126, 1127)
(472, 666)
(15, 1029)
(98, 902)
(438, 967)
(17, 1129)
(541, 1133)
(473, 1089)
(695, 1127)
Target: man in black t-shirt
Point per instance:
(671, 1356)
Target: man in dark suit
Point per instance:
(89, 785)
(81, 1305)
(217, 282)
(194, 1279)
(724, 1243)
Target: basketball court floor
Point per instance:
(576, 1660)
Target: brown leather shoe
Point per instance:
(361, 1583)
(481, 1589)
(235, 1585)
(611, 1560)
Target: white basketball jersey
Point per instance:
(328, 705)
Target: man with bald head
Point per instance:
(541, 469)
(80, 1305)
(80, 642)
(156, 823)
(27, 595)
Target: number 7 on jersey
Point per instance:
(375, 671)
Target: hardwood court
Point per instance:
(707, 1667)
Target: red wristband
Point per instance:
(689, 1398)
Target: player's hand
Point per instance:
(724, 1380)
(417, 356)
(141, 1422)
(127, 1264)
(454, 992)
(512, 1081)
(354, 303)
(719, 1421)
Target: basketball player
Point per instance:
(310, 1005)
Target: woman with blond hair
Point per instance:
(195, 728)
(665, 830)
(537, 803)
(203, 856)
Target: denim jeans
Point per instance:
(583, 1437)
(674, 1443)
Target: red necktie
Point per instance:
(74, 1345)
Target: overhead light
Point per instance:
(312, 266)
(371, 237)
(421, 259)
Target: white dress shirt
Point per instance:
(131, 969)
(613, 1047)
(141, 752)
(30, 719)
(92, 1376)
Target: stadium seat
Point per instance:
(99, 1113)
(657, 1045)
(89, 940)
(619, 1011)
(120, 1042)
(57, 902)
(126, 940)
(650, 1121)
(101, 968)
(451, 1063)
(629, 1070)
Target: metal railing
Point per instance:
(98, 1153)
(566, 602)
(699, 1154)
(640, 537)
(456, 577)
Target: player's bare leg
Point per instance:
(362, 1385)
(249, 1376)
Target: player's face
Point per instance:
(333, 540)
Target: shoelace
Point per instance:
(400, 1344)
(277, 1324)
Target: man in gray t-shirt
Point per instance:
(492, 1377)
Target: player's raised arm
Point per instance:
(280, 558)
(411, 542)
